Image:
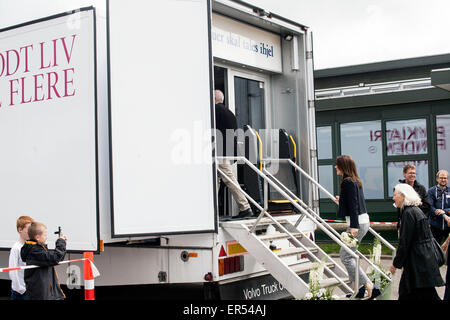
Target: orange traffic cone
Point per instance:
(88, 276)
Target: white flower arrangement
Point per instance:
(349, 239)
(315, 291)
(376, 254)
(375, 276)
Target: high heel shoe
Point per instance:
(375, 293)
(372, 292)
(361, 292)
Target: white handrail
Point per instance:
(326, 224)
(378, 236)
(312, 218)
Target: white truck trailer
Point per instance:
(106, 111)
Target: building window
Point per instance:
(324, 143)
(443, 142)
(326, 159)
(326, 179)
(406, 143)
(406, 137)
(363, 142)
(395, 173)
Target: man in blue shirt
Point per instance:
(439, 217)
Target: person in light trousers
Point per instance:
(352, 207)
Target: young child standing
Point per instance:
(18, 289)
(42, 283)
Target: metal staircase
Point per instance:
(292, 275)
(322, 221)
(274, 261)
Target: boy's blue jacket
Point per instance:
(440, 199)
(42, 283)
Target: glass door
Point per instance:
(248, 98)
(249, 102)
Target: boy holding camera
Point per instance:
(42, 283)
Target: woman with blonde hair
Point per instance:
(415, 252)
(352, 207)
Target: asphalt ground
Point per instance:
(386, 262)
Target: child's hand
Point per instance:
(63, 237)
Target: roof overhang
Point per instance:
(441, 78)
(383, 66)
(382, 99)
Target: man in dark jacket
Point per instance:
(226, 125)
(42, 283)
(409, 173)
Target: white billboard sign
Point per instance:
(48, 128)
(161, 117)
(238, 42)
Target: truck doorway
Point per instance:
(245, 95)
(249, 102)
(220, 82)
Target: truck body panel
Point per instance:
(149, 211)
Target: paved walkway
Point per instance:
(398, 274)
(386, 263)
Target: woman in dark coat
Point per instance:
(415, 249)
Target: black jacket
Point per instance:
(351, 202)
(42, 283)
(415, 252)
(423, 194)
(226, 124)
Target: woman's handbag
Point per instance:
(439, 254)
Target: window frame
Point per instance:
(410, 157)
(431, 154)
(329, 161)
(435, 144)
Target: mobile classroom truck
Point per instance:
(106, 111)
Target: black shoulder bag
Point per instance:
(439, 254)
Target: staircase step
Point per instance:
(250, 222)
(281, 201)
(264, 221)
(306, 267)
(329, 282)
(293, 251)
(279, 236)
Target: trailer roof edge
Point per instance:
(262, 17)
